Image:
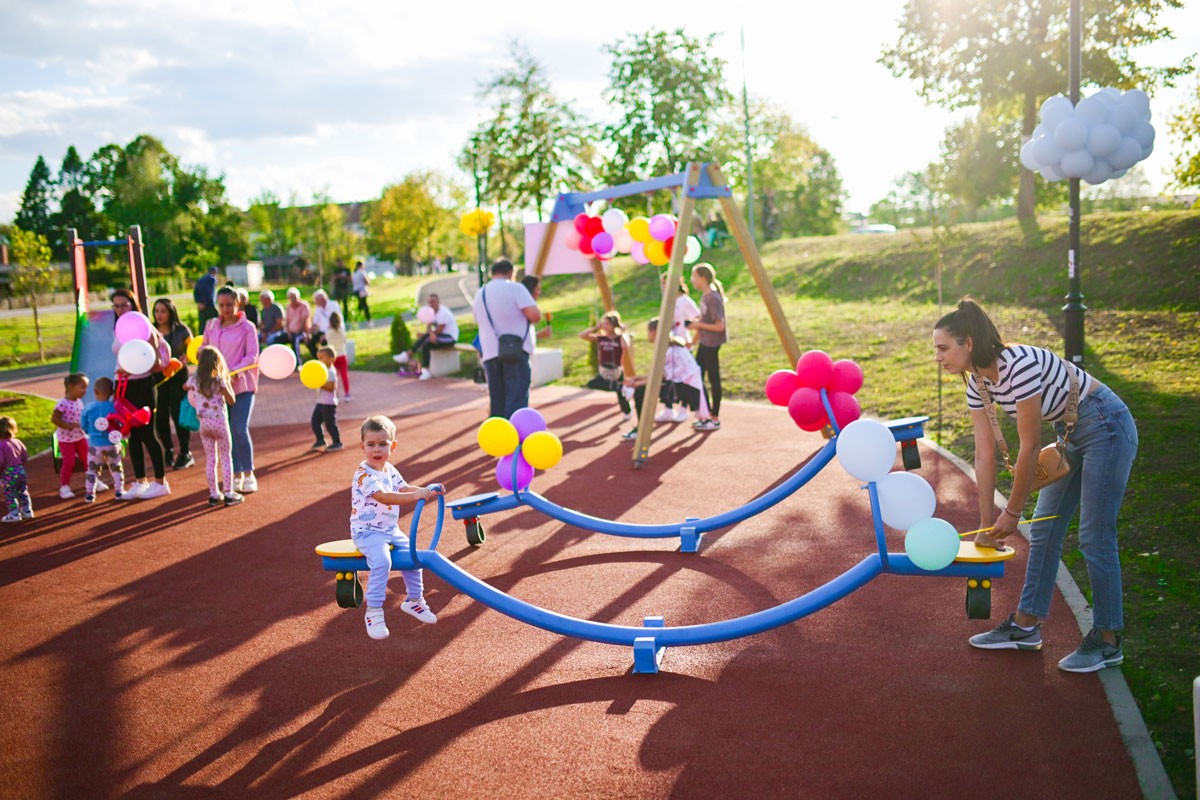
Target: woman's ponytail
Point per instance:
(969, 320)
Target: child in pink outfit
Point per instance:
(209, 390)
(13, 457)
(72, 439)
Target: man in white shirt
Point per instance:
(503, 307)
(323, 307)
(442, 331)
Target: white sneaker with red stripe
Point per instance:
(418, 609)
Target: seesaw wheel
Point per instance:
(979, 598)
(910, 454)
(348, 590)
(475, 535)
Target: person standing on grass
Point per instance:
(1034, 385)
(712, 334)
(503, 307)
(360, 280)
(205, 295)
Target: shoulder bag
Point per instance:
(511, 346)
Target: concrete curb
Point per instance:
(1152, 776)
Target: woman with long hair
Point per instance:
(237, 340)
(171, 392)
(712, 334)
(140, 392)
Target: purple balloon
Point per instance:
(504, 472)
(603, 244)
(131, 326)
(662, 227)
(527, 421)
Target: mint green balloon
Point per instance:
(931, 544)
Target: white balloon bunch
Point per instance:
(1101, 138)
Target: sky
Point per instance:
(301, 98)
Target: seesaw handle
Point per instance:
(437, 529)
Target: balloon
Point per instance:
(781, 385)
(1143, 132)
(815, 425)
(1077, 163)
(581, 223)
(1123, 119)
(137, 356)
(132, 325)
(623, 242)
(542, 450)
(585, 246)
(1138, 100)
(527, 421)
(1027, 159)
(426, 315)
(639, 229)
(669, 246)
(1071, 134)
(504, 473)
(1046, 151)
(692, 251)
(905, 498)
(1055, 110)
(1092, 111)
(815, 369)
(847, 377)
(662, 227)
(173, 366)
(866, 449)
(603, 244)
(1125, 156)
(655, 253)
(614, 221)
(1101, 171)
(845, 408)
(572, 239)
(498, 437)
(931, 544)
(314, 374)
(594, 226)
(1103, 139)
(193, 347)
(638, 252)
(805, 408)
(277, 361)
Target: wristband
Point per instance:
(1011, 514)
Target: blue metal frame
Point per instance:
(570, 204)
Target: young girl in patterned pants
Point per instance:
(209, 390)
(13, 457)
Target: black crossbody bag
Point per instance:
(511, 346)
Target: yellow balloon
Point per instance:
(542, 450)
(498, 437)
(193, 348)
(314, 374)
(656, 254)
(639, 229)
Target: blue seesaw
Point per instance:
(690, 531)
(650, 641)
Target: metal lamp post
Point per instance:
(1073, 311)
(481, 237)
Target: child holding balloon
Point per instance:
(104, 446)
(72, 439)
(376, 494)
(325, 412)
(335, 337)
(209, 391)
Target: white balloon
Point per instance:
(1055, 110)
(1143, 132)
(1092, 110)
(1046, 151)
(866, 449)
(1077, 163)
(614, 221)
(1125, 156)
(1139, 101)
(1103, 139)
(1027, 158)
(1099, 173)
(1039, 131)
(905, 498)
(1111, 94)
(137, 357)
(1071, 134)
(1122, 118)
(1118, 174)
(1051, 173)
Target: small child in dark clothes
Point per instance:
(325, 412)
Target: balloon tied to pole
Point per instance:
(1099, 139)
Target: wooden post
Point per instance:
(137, 266)
(539, 264)
(741, 233)
(666, 318)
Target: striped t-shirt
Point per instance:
(1026, 372)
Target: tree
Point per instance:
(1007, 56)
(1185, 125)
(274, 228)
(668, 90)
(76, 207)
(32, 274)
(323, 235)
(34, 213)
(407, 216)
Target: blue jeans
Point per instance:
(1101, 450)
(508, 385)
(239, 426)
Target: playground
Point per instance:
(154, 652)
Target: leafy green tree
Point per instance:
(76, 208)
(274, 227)
(32, 274)
(1185, 126)
(668, 90)
(34, 213)
(408, 216)
(323, 235)
(1007, 56)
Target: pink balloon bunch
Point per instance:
(800, 391)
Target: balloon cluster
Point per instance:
(649, 240)
(1101, 138)
(123, 419)
(477, 222)
(867, 450)
(136, 355)
(523, 438)
(801, 390)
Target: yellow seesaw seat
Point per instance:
(967, 551)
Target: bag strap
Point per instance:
(483, 294)
(1070, 413)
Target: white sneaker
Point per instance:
(628, 415)
(419, 610)
(665, 415)
(12, 516)
(238, 483)
(376, 627)
(400, 358)
(249, 484)
(681, 414)
(100, 486)
(134, 492)
(348, 399)
(425, 375)
(154, 490)
(65, 492)
(27, 514)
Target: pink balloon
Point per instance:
(847, 377)
(131, 326)
(585, 245)
(781, 384)
(602, 244)
(426, 314)
(623, 241)
(805, 407)
(527, 421)
(581, 223)
(662, 227)
(277, 361)
(845, 408)
(638, 251)
(815, 369)
(504, 474)
(572, 239)
(594, 225)
(817, 424)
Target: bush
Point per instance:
(401, 336)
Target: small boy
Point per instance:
(325, 411)
(101, 447)
(376, 494)
(680, 383)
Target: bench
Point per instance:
(545, 366)
(444, 359)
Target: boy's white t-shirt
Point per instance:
(367, 515)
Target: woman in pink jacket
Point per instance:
(237, 339)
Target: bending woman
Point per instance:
(1034, 385)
